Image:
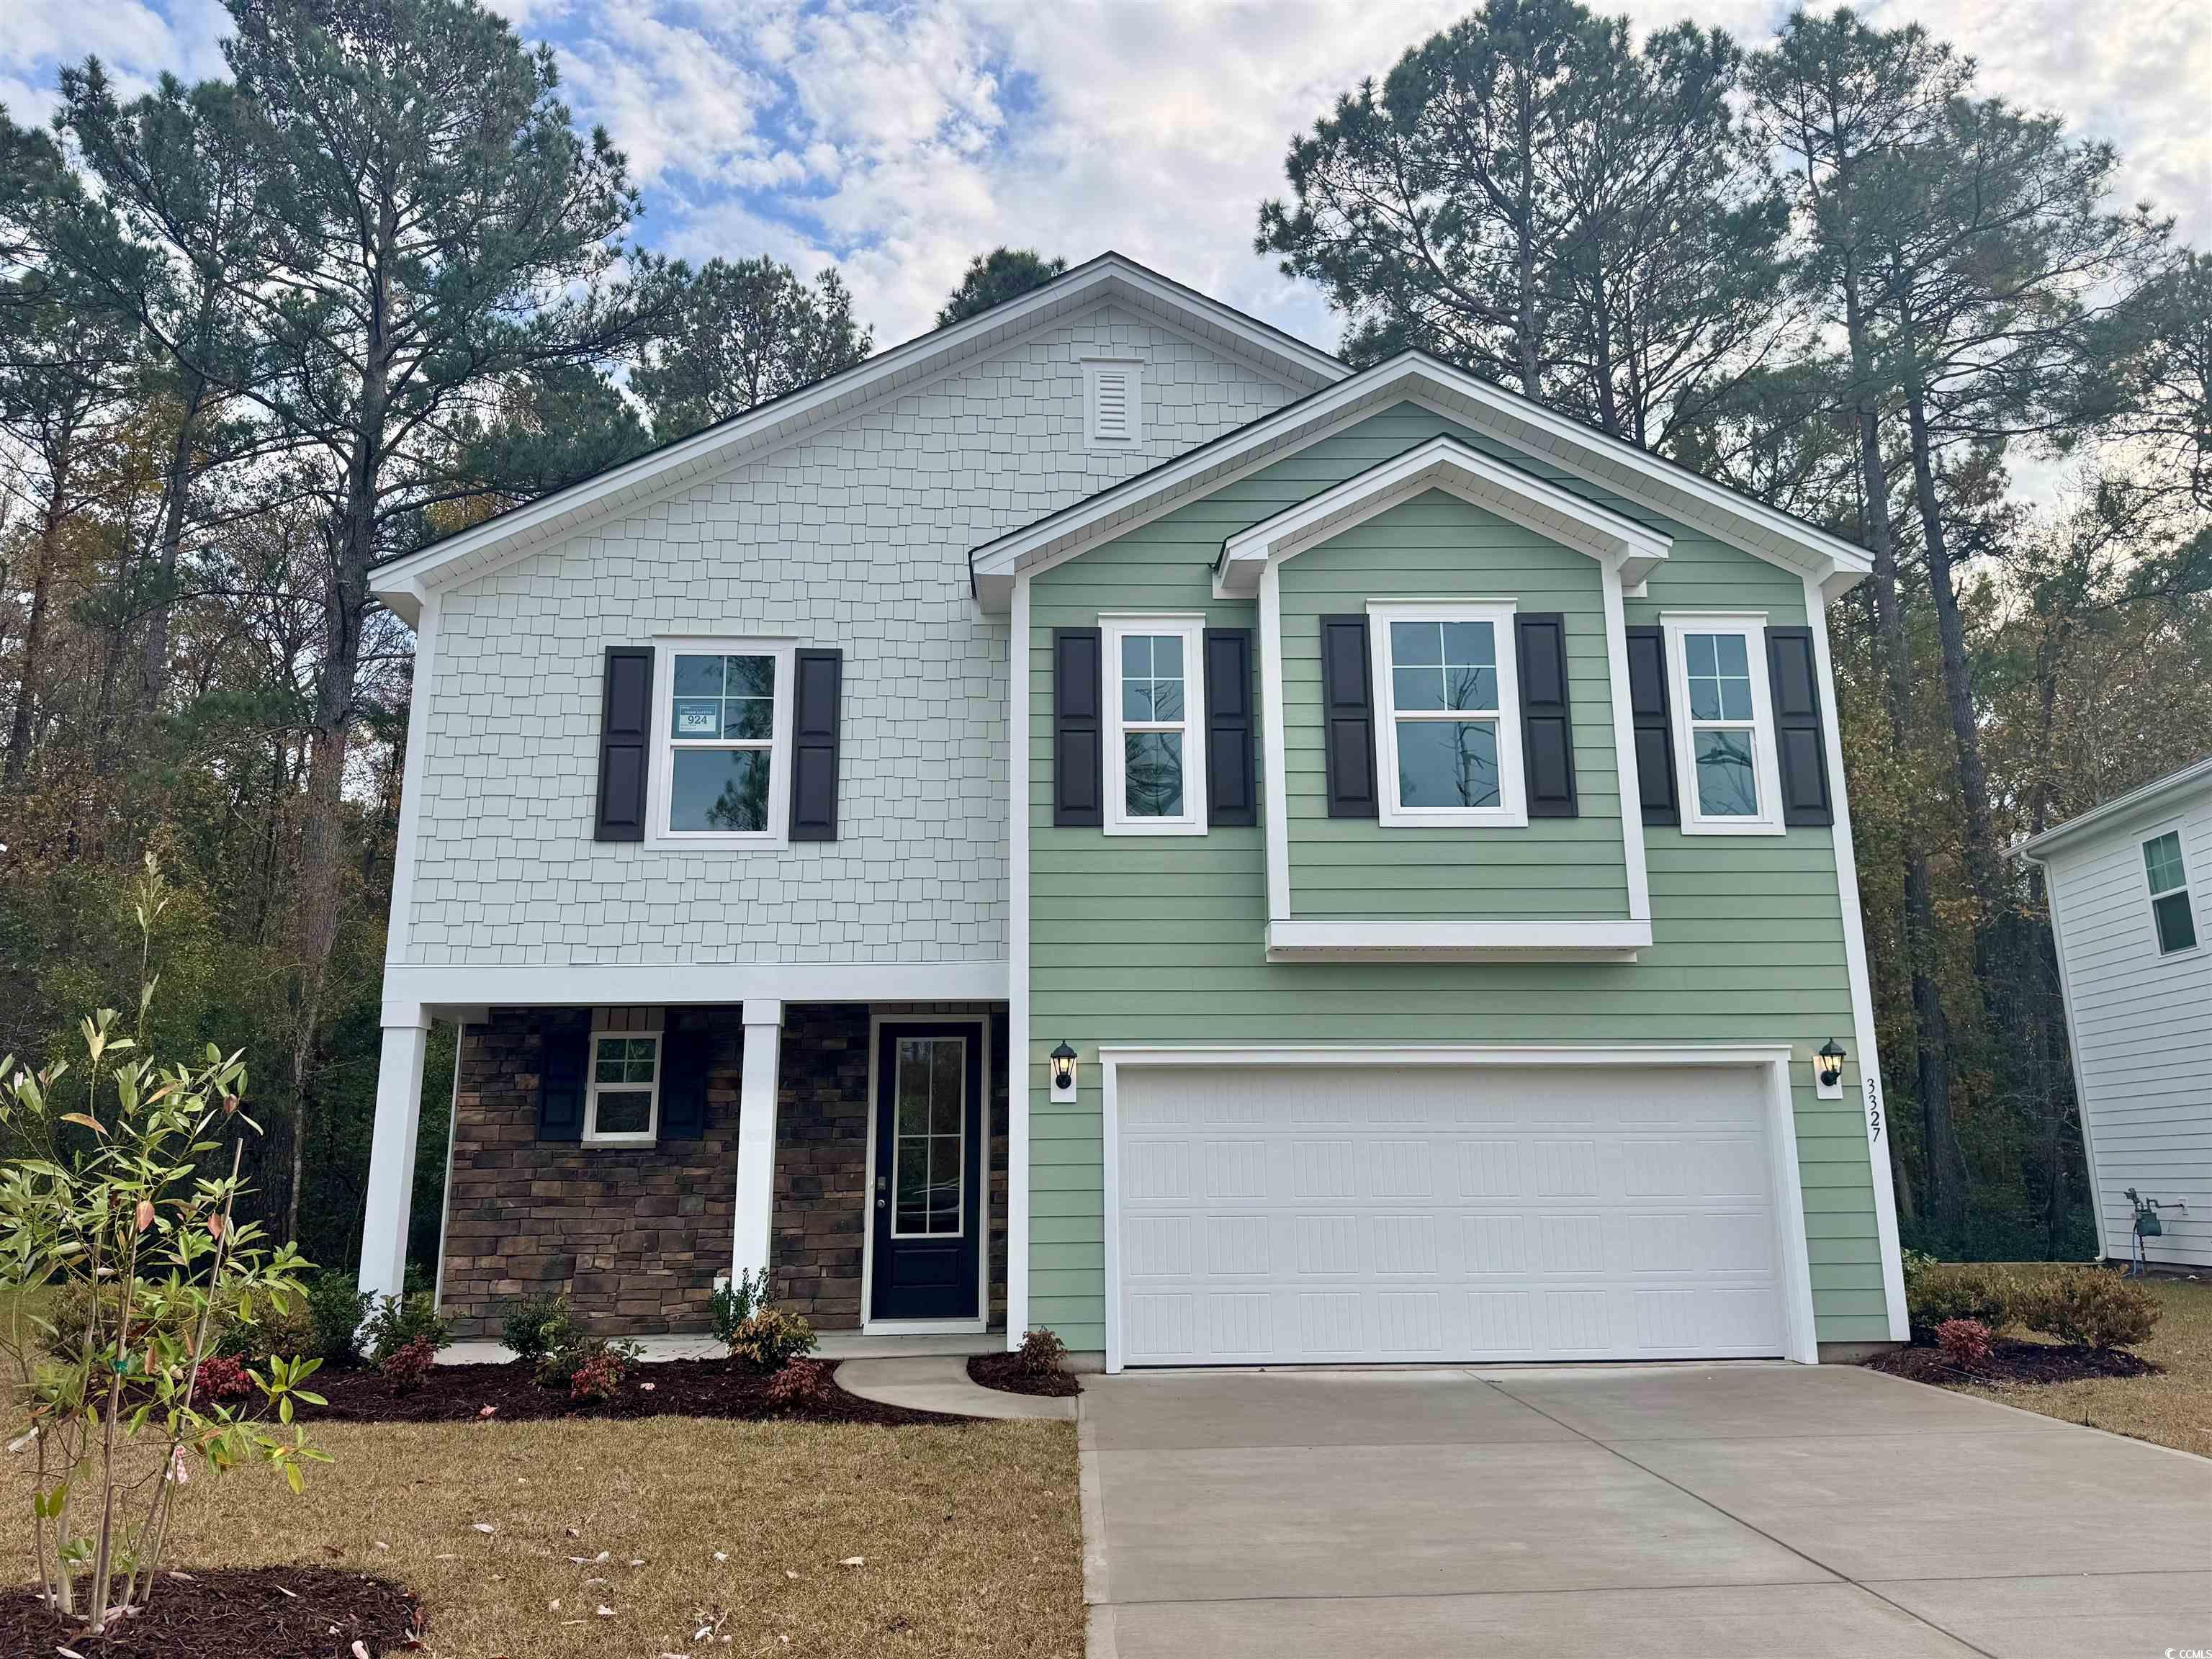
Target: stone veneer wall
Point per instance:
(636, 1236)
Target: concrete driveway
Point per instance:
(1707, 1511)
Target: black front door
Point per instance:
(927, 1187)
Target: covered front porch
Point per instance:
(633, 1158)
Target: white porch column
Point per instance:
(391, 1150)
(756, 1197)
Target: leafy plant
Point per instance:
(400, 1321)
(336, 1304)
(533, 1327)
(1966, 1343)
(1943, 1291)
(407, 1365)
(224, 1378)
(735, 1301)
(2088, 1306)
(272, 1327)
(1041, 1352)
(770, 1339)
(600, 1369)
(801, 1384)
(129, 1183)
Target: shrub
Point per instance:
(336, 1304)
(270, 1332)
(801, 1384)
(734, 1303)
(1966, 1343)
(770, 1339)
(406, 1365)
(224, 1378)
(534, 1327)
(601, 1369)
(398, 1322)
(1944, 1290)
(1041, 1353)
(2088, 1306)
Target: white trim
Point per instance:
(869, 1325)
(1019, 767)
(1467, 941)
(390, 1190)
(775, 834)
(1095, 370)
(1795, 1270)
(2041, 847)
(692, 984)
(625, 1022)
(453, 1124)
(1875, 1109)
(752, 1207)
(1627, 779)
(1114, 627)
(406, 845)
(1750, 626)
(2074, 1056)
(2178, 829)
(1273, 746)
(1511, 812)
(1445, 464)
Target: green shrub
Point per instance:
(337, 1305)
(589, 1367)
(770, 1339)
(1943, 1291)
(271, 1333)
(534, 1325)
(2093, 1306)
(735, 1302)
(395, 1323)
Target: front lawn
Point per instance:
(967, 1537)
(2174, 1408)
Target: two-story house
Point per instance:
(1104, 817)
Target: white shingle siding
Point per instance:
(857, 537)
(2143, 1026)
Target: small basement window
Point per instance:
(621, 1105)
(2170, 915)
(1113, 405)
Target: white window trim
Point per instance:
(1766, 766)
(1511, 812)
(778, 831)
(1192, 631)
(627, 1023)
(1134, 369)
(2179, 831)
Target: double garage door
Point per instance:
(1310, 1214)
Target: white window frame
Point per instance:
(629, 1025)
(1113, 628)
(1766, 766)
(1511, 812)
(777, 833)
(2179, 832)
(1134, 369)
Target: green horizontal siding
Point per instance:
(1161, 941)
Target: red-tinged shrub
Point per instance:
(598, 1372)
(1966, 1343)
(801, 1383)
(406, 1365)
(222, 1377)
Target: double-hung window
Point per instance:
(2172, 918)
(722, 742)
(1723, 725)
(1447, 685)
(1156, 735)
(622, 1100)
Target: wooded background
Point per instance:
(374, 285)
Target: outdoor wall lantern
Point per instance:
(1063, 1076)
(1828, 1071)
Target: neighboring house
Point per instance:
(1419, 815)
(2130, 890)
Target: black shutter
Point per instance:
(687, 1049)
(818, 676)
(1794, 677)
(1654, 725)
(1547, 732)
(1347, 711)
(1228, 793)
(1077, 791)
(564, 1042)
(625, 732)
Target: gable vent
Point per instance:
(1113, 403)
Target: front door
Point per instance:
(927, 1186)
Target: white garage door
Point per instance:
(1310, 1214)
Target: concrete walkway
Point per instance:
(1709, 1512)
(940, 1383)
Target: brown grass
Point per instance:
(2173, 1409)
(969, 1535)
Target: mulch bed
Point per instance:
(231, 1614)
(674, 1388)
(1005, 1371)
(2015, 1362)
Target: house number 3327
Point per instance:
(1874, 1112)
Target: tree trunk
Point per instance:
(32, 674)
(154, 659)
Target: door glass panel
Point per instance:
(929, 1122)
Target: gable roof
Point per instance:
(1446, 464)
(1651, 482)
(2153, 794)
(402, 582)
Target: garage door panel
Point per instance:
(1311, 1215)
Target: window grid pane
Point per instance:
(1446, 763)
(929, 1128)
(1728, 785)
(1151, 772)
(1152, 679)
(2176, 927)
(1718, 670)
(2162, 862)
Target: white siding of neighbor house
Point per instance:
(855, 535)
(2142, 1027)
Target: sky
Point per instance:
(897, 140)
